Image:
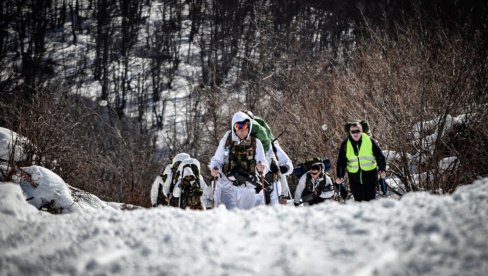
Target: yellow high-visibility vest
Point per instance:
(365, 158)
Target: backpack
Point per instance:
(262, 131)
(364, 124)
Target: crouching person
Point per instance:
(239, 161)
(314, 186)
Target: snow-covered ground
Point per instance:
(420, 234)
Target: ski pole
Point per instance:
(383, 186)
(214, 184)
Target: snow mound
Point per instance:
(421, 234)
(88, 202)
(43, 187)
(12, 202)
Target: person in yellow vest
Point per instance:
(362, 159)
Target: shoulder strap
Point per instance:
(228, 142)
(275, 151)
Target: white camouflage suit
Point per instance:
(280, 187)
(243, 196)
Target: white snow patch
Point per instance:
(421, 234)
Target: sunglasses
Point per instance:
(241, 125)
(355, 131)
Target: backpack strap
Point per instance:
(228, 141)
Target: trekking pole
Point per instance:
(214, 183)
(383, 186)
(263, 181)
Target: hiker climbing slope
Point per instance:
(361, 157)
(239, 164)
(280, 164)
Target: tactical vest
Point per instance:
(365, 158)
(309, 188)
(241, 156)
(191, 192)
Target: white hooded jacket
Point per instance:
(218, 159)
(178, 158)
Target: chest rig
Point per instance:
(240, 156)
(321, 185)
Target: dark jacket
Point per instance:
(356, 177)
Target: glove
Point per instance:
(258, 188)
(198, 193)
(273, 168)
(284, 169)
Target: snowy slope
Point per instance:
(421, 234)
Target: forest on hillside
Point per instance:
(93, 83)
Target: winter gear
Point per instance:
(284, 169)
(284, 162)
(262, 131)
(274, 168)
(174, 175)
(187, 167)
(364, 158)
(306, 166)
(180, 157)
(243, 155)
(241, 125)
(365, 126)
(362, 175)
(341, 190)
(383, 186)
(189, 193)
(240, 156)
(258, 188)
(192, 193)
(363, 123)
(158, 197)
(308, 189)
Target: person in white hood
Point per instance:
(190, 192)
(239, 163)
(157, 195)
(172, 177)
